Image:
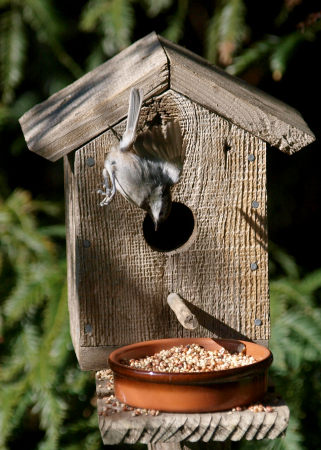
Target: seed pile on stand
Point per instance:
(191, 358)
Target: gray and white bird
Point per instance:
(144, 167)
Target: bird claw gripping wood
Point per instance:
(109, 191)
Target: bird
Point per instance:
(144, 166)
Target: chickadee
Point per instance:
(144, 168)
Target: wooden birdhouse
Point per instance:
(213, 251)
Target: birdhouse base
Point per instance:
(120, 425)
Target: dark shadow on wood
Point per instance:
(211, 445)
(215, 326)
(259, 224)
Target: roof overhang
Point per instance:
(97, 101)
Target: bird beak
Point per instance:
(155, 224)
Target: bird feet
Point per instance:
(109, 192)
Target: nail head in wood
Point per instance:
(90, 162)
(254, 266)
(251, 158)
(258, 322)
(255, 204)
(88, 328)
(182, 312)
(86, 243)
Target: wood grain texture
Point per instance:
(242, 104)
(86, 108)
(121, 284)
(99, 99)
(71, 243)
(168, 428)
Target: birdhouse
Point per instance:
(212, 251)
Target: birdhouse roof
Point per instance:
(98, 100)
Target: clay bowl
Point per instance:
(190, 392)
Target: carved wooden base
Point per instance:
(119, 425)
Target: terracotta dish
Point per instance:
(190, 392)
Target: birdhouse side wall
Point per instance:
(119, 284)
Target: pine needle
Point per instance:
(175, 27)
(226, 31)
(13, 45)
(114, 19)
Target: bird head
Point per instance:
(160, 204)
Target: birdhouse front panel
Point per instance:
(121, 272)
(212, 249)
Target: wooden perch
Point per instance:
(183, 314)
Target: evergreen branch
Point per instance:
(4, 3)
(283, 52)
(287, 290)
(175, 27)
(305, 328)
(53, 231)
(258, 52)
(226, 31)
(286, 261)
(122, 19)
(13, 46)
(311, 282)
(75, 380)
(10, 397)
(277, 50)
(212, 35)
(92, 441)
(96, 57)
(29, 292)
(92, 14)
(4, 114)
(114, 19)
(52, 411)
(19, 239)
(42, 18)
(155, 7)
(55, 319)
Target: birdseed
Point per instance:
(191, 358)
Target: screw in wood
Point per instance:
(254, 266)
(258, 322)
(88, 328)
(86, 243)
(255, 204)
(251, 157)
(90, 162)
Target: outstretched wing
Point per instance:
(155, 145)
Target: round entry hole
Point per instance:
(178, 229)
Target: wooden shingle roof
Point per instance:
(98, 100)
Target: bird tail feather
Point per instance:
(135, 104)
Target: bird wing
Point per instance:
(155, 145)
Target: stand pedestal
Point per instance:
(170, 431)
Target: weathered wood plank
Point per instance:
(168, 428)
(122, 284)
(87, 107)
(199, 432)
(99, 99)
(71, 243)
(242, 104)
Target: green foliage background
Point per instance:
(45, 399)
